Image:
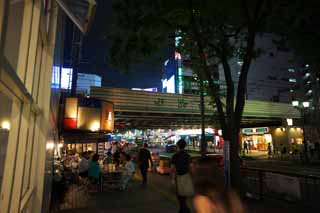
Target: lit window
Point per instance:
(291, 70)
(292, 80)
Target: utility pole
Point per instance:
(76, 56)
(203, 142)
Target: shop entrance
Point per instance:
(256, 138)
(257, 142)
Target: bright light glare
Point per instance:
(306, 104)
(289, 121)
(295, 103)
(95, 126)
(5, 125)
(50, 145)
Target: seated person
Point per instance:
(128, 172)
(94, 170)
(108, 158)
(83, 165)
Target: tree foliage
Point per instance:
(212, 32)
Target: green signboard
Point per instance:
(262, 130)
(247, 131)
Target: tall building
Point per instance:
(29, 47)
(273, 76)
(31, 53)
(84, 81)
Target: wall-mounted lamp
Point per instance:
(289, 121)
(5, 125)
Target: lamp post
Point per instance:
(301, 108)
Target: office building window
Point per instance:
(293, 80)
(291, 70)
(13, 32)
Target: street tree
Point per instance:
(212, 34)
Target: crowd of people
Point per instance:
(209, 194)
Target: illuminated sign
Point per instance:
(259, 130)
(247, 131)
(171, 85)
(66, 78)
(93, 115)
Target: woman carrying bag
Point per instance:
(180, 164)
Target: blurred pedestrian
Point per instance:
(83, 165)
(180, 164)
(269, 150)
(317, 149)
(94, 170)
(211, 196)
(311, 149)
(127, 172)
(245, 147)
(144, 159)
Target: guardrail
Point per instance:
(299, 188)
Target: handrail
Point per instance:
(282, 173)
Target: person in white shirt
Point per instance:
(83, 165)
(128, 172)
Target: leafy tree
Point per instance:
(212, 33)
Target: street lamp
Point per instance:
(301, 108)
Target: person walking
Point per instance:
(127, 172)
(269, 150)
(83, 165)
(245, 147)
(144, 157)
(180, 164)
(211, 195)
(317, 149)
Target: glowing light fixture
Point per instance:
(95, 126)
(49, 145)
(306, 104)
(289, 121)
(295, 103)
(5, 125)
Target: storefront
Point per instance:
(256, 138)
(278, 137)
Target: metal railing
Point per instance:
(291, 187)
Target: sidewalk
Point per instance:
(139, 199)
(159, 197)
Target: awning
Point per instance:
(81, 12)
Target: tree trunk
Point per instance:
(235, 175)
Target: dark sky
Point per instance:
(95, 50)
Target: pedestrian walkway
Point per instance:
(159, 197)
(138, 199)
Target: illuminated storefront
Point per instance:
(257, 138)
(87, 123)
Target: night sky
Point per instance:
(95, 52)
